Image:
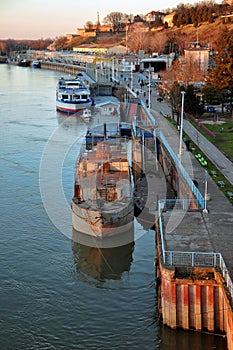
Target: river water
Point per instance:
(56, 293)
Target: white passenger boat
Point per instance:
(72, 95)
(36, 64)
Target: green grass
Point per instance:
(214, 173)
(224, 137)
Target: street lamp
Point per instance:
(149, 91)
(131, 75)
(181, 125)
(205, 211)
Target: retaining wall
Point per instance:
(194, 299)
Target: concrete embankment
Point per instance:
(194, 261)
(60, 67)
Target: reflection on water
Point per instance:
(190, 340)
(98, 261)
(103, 263)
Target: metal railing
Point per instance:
(182, 170)
(191, 259)
(180, 204)
(148, 113)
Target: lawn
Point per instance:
(223, 131)
(224, 137)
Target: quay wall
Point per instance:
(60, 67)
(193, 298)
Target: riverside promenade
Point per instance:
(194, 253)
(221, 162)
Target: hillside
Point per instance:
(205, 33)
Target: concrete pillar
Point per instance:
(173, 306)
(229, 329)
(197, 307)
(191, 306)
(185, 307)
(165, 304)
(210, 307)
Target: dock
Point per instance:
(194, 260)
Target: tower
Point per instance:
(98, 19)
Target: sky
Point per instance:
(36, 19)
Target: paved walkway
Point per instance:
(198, 231)
(221, 162)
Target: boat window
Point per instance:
(76, 97)
(65, 97)
(84, 96)
(72, 83)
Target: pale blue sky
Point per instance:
(35, 19)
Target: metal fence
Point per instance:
(180, 204)
(182, 171)
(148, 113)
(191, 259)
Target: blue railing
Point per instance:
(148, 113)
(182, 171)
(190, 259)
(178, 164)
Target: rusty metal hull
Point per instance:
(103, 202)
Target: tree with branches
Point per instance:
(117, 19)
(220, 76)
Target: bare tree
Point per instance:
(117, 19)
(138, 41)
(157, 42)
(88, 25)
(61, 43)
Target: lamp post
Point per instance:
(131, 75)
(149, 92)
(205, 211)
(181, 124)
(113, 70)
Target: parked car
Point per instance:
(152, 84)
(210, 109)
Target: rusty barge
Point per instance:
(103, 204)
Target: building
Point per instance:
(117, 50)
(91, 48)
(169, 19)
(156, 64)
(93, 29)
(154, 16)
(108, 108)
(198, 56)
(103, 49)
(70, 37)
